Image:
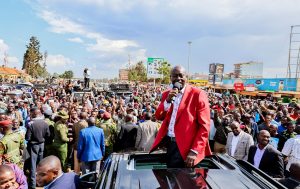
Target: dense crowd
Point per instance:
(75, 135)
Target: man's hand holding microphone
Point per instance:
(173, 93)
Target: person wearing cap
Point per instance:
(49, 142)
(61, 137)
(11, 145)
(110, 132)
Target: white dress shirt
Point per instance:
(234, 142)
(176, 104)
(291, 149)
(258, 155)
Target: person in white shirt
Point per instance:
(238, 142)
(291, 149)
(86, 75)
(265, 157)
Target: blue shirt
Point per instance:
(91, 145)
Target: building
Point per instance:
(9, 75)
(248, 70)
(123, 74)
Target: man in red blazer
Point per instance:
(186, 121)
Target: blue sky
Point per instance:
(100, 34)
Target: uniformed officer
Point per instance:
(11, 145)
(61, 139)
(49, 150)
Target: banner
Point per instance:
(152, 67)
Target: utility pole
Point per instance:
(189, 54)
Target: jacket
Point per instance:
(243, 145)
(192, 123)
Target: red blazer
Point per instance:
(192, 123)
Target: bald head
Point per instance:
(92, 121)
(7, 177)
(178, 74)
(178, 68)
(4, 169)
(48, 170)
(51, 162)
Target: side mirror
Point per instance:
(88, 180)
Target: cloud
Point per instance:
(3, 46)
(76, 40)
(59, 63)
(63, 25)
(4, 51)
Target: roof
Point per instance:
(10, 71)
(148, 171)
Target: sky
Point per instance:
(103, 35)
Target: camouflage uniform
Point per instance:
(61, 140)
(110, 133)
(11, 146)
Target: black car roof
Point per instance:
(122, 171)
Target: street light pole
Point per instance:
(189, 54)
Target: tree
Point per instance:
(137, 72)
(165, 70)
(67, 74)
(32, 59)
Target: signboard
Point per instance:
(152, 67)
(216, 73)
(211, 78)
(238, 86)
(212, 68)
(219, 68)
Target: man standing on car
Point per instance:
(186, 122)
(86, 75)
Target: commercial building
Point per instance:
(248, 70)
(123, 74)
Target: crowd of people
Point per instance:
(55, 138)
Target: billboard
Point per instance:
(152, 67)
(216, 71)
(268, 84)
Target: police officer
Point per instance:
(49, 150)
(11, 145)
(61, 139)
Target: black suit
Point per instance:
(271, 162)
(126, 138)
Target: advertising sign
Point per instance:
(212, 68)
(152, 67)
(219, 68)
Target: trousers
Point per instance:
(36, 152)
(174, 159)
(90, 166)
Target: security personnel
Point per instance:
(49, 150)
(11, 145)
(61, 139)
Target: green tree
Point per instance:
(137, 72)
(32, 59)
(165, 70)
(67, 74)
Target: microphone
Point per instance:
(178, 86)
